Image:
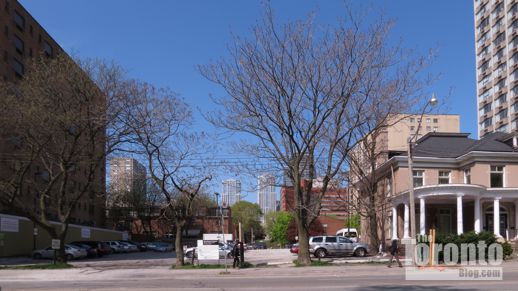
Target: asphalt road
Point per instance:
(348, 277)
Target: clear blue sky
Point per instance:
(163, 41)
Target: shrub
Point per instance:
(474, 238)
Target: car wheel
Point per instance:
(36, 256)
(320, 253)
(361, 252)
(229, 256)
(69, 257)
(189, 255)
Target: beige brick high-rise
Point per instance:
(496, 44)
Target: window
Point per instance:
(501, 115)
(317, 239)
(412, 119)
(18, 44)
(435, 120)
(497, 176)
(428, 128)
(501, 99)
(330, 239)
(502, 128)
(435, 128)
(487, 122)
(18, 68)
(418, 176)
(467, 176)
(499, 39)
(428, 120)
(412, 128)
(19, 20)
(484, 110)
(485, 94)
(47, 48)
(500, 85)
(444, 177)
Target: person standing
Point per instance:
(394, 252)
(236, 254)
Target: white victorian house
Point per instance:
(460, 185)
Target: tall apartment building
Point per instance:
(231, 192)
(127, 175)
(496, 43)
(22, 38)
(266, 197)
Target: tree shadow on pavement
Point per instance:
(410, 287)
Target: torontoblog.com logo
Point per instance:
(467, 261)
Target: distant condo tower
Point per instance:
(231, 192)
(266, 197)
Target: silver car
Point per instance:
(323, 246)
(70, 251)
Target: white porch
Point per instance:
(458, 208)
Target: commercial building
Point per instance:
(266, 196)
(496, 44)
(333, 206)
(231, 192)
(21, 39)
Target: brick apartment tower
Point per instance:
(496, 44)
(22, 38)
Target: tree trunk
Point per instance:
(373, 229)
(178, 245)
(303, 255)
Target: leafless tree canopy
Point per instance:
(306, 94)
(58, 124)
(164, 141)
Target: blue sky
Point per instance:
(162, 41)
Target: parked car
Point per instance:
(294, 249)
(258, 246)
(101, 247)
(224, 250)
(129, 247)
(116, 246)
(163, 247)
(90, 251)
(323, 246)
(350, 233)
(141, 246)
(70, 251)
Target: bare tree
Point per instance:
(306, 94)
(160, 123)
(58, 124)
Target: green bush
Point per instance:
(474, 238)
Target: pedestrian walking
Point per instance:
(236, 254)
(394, 252)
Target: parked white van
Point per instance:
(351, 233)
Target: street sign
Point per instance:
(56, 244)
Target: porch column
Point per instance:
(394, 222)
(460, 223)
(516, 218)
(407, 223)
(477, 215)
(422, 223)
(496, 216)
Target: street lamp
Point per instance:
(222, 228)
(432, 102)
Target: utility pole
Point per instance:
(222, 229)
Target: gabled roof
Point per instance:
(453, 145)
